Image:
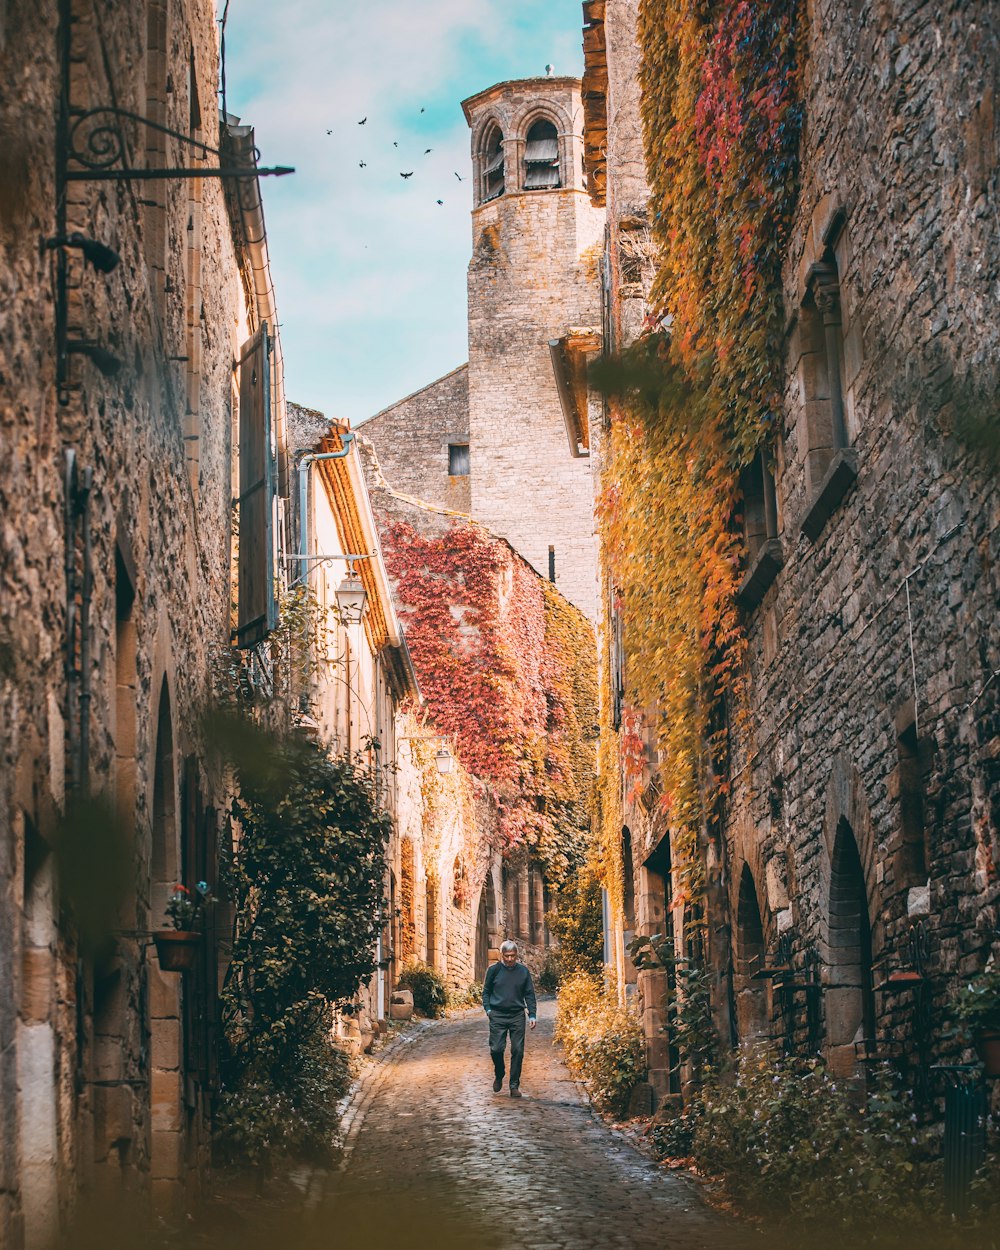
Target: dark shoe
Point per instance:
(498, 1085)
(515, 1092)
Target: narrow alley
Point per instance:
(434, 1157)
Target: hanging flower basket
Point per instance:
(988, 1049)
(177, 949)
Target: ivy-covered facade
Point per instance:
(799, 542)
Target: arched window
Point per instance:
(541, 158)
(750, 995)
(492, 184)
(849, 999)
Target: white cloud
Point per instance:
(369, 269)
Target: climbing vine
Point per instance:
(506, 669)
(696, 398)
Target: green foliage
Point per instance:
(306, 879)
(578, 924)
(689, 1006)
(792, 1143)
(976, 1006)
(674, 1138)
(430, 996)
(94, 851)
(260, 1117)
(603, 1041)
(548, 979)
(471, 996)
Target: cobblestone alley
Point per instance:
(436, 1158)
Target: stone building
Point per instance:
(474, 874)
(861, 832)
(140, 374)
(510, 421)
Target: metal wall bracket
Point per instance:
(92, 145)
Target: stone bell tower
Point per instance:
(534, 317)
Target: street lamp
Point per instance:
(351, 599)
(443, 758)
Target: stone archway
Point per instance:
(850, 997)
(165, 1034)
(750, 949)
(486, 926)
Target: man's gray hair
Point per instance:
(508, 946)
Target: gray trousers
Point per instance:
(500, 1026)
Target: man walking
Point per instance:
(508, 993)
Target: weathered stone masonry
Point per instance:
(104, 1069)
(873, 701)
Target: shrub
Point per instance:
(674, 1138)
(603, 1041)
(548, 978)
(292, 1112)
(305, 879)
(577, 923)
(471, 996)
(429, 993)
(788, 1140)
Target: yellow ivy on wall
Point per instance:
(696, 398)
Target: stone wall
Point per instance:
(872, 658)
(864, 768)
(150, 516)
(413, 438)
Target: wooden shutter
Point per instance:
(258, 608)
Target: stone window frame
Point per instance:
(537, 111)
(457, 466)
(525, 164)
(827, 367)
(761, 531)
(490, 127)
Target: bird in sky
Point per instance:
(329, 132)
(409, 175)
(423, 110)
(427, 151)
(457, 175)
(362, 121)
(395, 144)
(440, 201)
(361, 165)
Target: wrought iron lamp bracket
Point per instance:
(101, 151)
(92, 146)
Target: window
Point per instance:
(493, 162)
(541, 158)
(831, 464)
(912, 860)
(257, 606)
(458, 459)
(760, 508)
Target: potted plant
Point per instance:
(976, 1011)
(177, 948)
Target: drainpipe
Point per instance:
(87, 597)
(304, 462)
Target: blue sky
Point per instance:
(369, 269)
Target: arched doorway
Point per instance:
(486, 926)
(850, 997)
(165, 1032)
(750, 994)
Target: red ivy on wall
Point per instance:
(506, 669)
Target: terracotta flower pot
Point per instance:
(177, 949)
(988, 1049)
